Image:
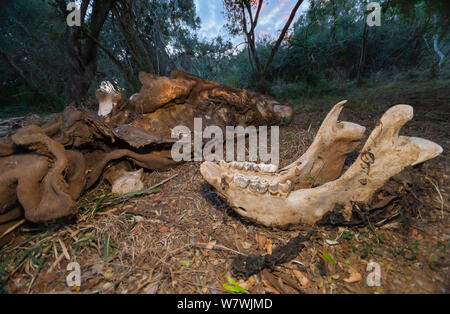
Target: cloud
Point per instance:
(269, 18)
(211, 19)
(274, 15)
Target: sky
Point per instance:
(273, 16)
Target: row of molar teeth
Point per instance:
(271, 168)
(245, 165)
(257, 184)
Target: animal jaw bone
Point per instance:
(324, 159)
(290, 200)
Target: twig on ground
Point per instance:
(439, 193)
(18, 224)
(109, 200)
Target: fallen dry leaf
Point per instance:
(354, 276)
(249, 283)
(246, 245)
(261, 239)
(108, 274)
(304, 281)
(271, 282)
(331, 242)
(164, 229)
(272, 289)
(269, 247)
(211, 244)
(151, 288)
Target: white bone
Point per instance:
(384, 155)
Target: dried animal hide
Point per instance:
(164, 103)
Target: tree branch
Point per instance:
(20, 73)
(258, 10)
(111, 55)
(277, 45)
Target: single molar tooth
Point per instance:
(254, 184)
(267, 167)
(272, 168)
(273, 188)
(285, 188)
(241, 181)
(262, 186)
(246, 165)
(237, 165)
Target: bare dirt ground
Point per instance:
(183, 239)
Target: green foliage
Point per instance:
(233, 286)
(347, 235)
(327, 257)
(319, 57)
(32, 36)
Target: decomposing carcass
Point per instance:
(46, 166)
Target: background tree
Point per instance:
(81, 46)
(154, 36)
(44, 66)
(32, 60)
(243, 18)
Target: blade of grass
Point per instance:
(106, 247)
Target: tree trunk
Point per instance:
(125, 16)
(82, 57)
(362, 59)
(261, 87)
(126, 70)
